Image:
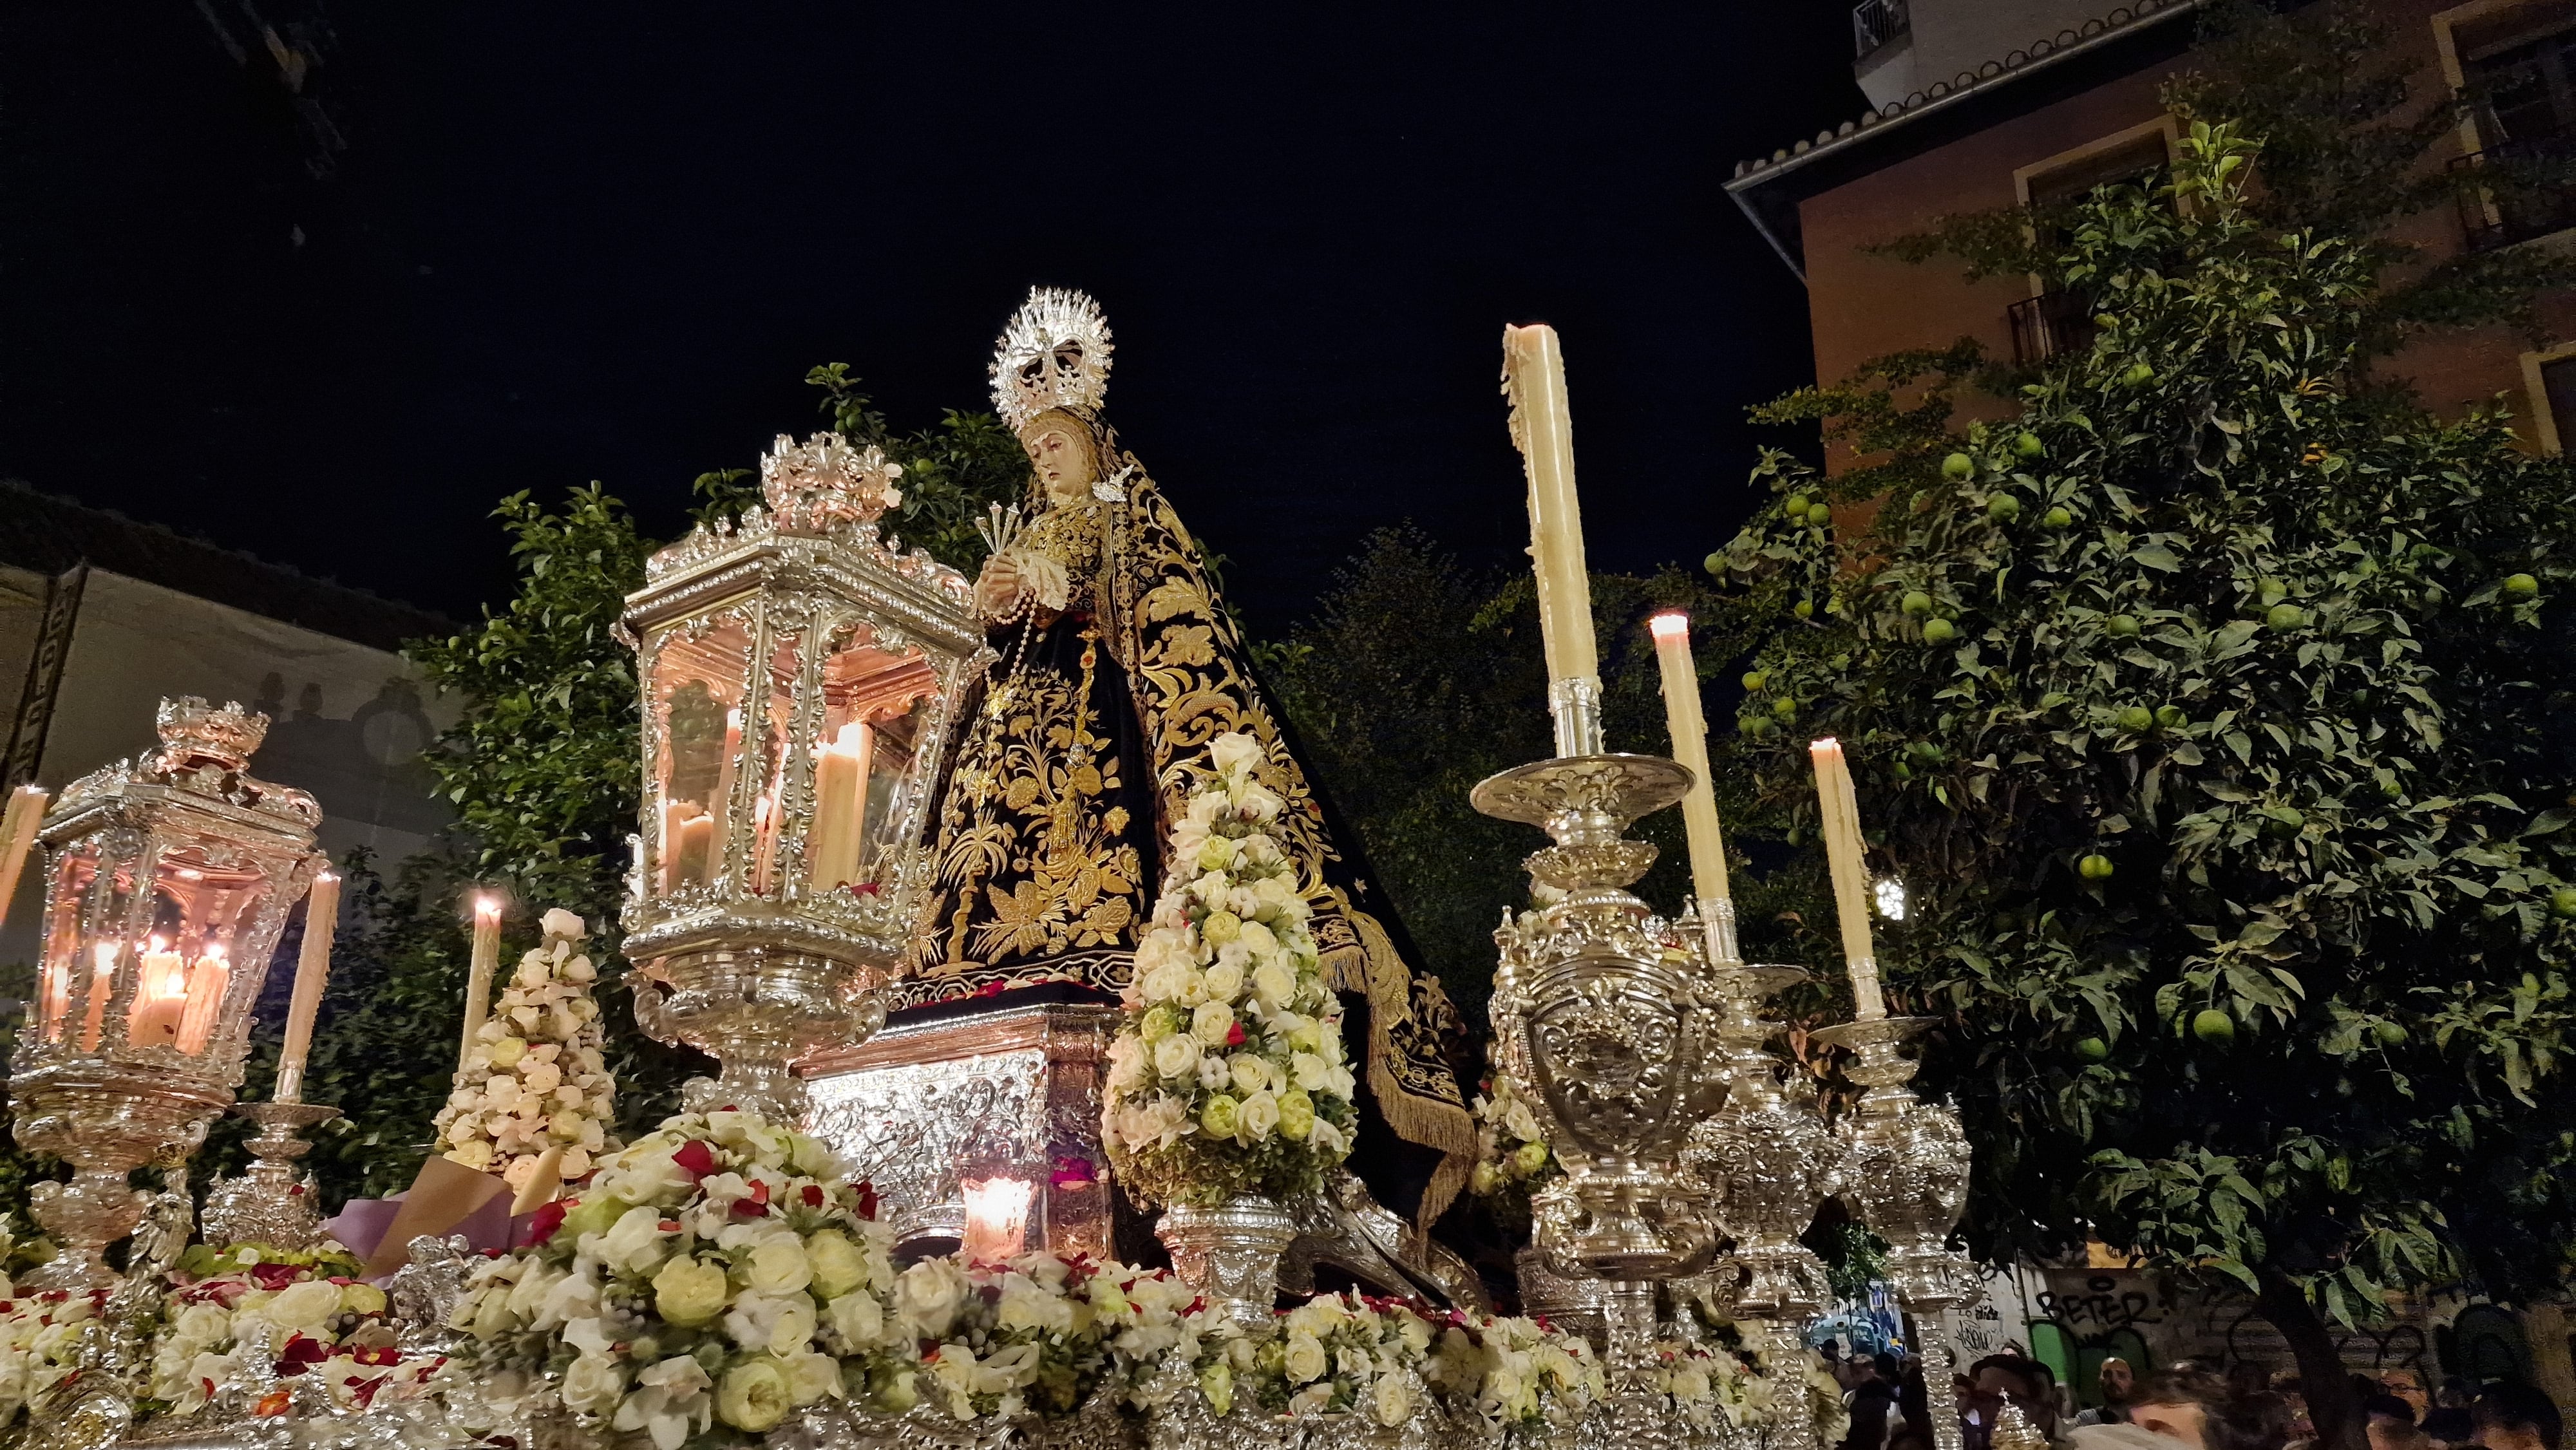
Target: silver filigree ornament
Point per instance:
(1597, 1014)
(1906, 1168)
(823, 483)
(1053, 353)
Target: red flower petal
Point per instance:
(548, 1218)
(696, 1159)
(813, 1195)
(1234, 1035)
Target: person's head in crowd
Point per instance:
(2392, 1423)
(2515, 1417)
(2454, 1394)
(2407, 1385)
(1888, 1366)
(2025, 1382)
(2245, 1377)
(2182, 1403)
(2264, 1421)
(2293, 1393)
(2116, 1380)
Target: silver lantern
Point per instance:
(168, 880)
(799, 672)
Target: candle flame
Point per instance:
(1670, 624)
(214, 951)
(329, 877)
(487, 906)
(997, 1216)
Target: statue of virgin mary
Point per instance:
(1116, 666)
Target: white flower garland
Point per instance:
(538, 1076)
(1228, 1075)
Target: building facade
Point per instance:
(101, 617)
(1988, 104)
(1985, 104)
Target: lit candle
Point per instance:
(1844, 853)
(54, 995)
(1690, 747)
(478, 974)
(160, 997)
(840, 805)
(997, 1217)
(312, 971)
(697, 848)
(764, 839)
(18, 832)
(205, 1004)
(1534, 380)
(101, 983)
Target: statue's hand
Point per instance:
(997, 589)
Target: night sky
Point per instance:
(560, 243)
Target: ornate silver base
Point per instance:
(1570, 1302)
(757, 1010)
(1230, 1254)
(108, 1120)
(272, 1204)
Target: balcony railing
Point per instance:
(2501, 216)
(2052, 324)
(1875, 23)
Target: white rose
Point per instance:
(811, 1376)
(1249, 1073)
(1233, 751)
(1308, 1070)
(1224, 980)
(1394, 1400)
(593, 1384)
(1258, 940)
(305, 1307)
(779, 1266)
(561, 923)
(858, 1319)
(1304, 1359)
(1273, 985)
(1177, 1056)
(1212, 1023)
(927, 1297)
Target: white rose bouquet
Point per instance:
(318, 1320)
(537, 1077)
(1038, 1334)
(40, 1336)
(1333, 1354)
(1227, 1076)
(1512, 1156)
(1515, 1372)
(717, 1269)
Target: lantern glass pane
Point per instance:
(698, 681)
(69, 967)
(876, 709)
(777, 723)
(205, 905)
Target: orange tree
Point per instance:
(2214, 713)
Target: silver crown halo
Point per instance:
(811, 486)
(1054, 353)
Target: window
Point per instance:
(2052, 324)
(2554, 401)
(2520, 67)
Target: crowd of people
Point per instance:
(2194, 1403)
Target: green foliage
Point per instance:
(2267, 668)
(2350, 151)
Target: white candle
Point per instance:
(207, 981)
(102, 982)
(1690, 747)
(697, 848)
(478, 973)
(840, 805)
(1534, 380)
(312, 971)
(18, 832)
(1844, 852)
(160, 997)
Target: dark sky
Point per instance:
(573, 242)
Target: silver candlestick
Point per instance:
(1907, 1165)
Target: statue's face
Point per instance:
(1062, 461)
